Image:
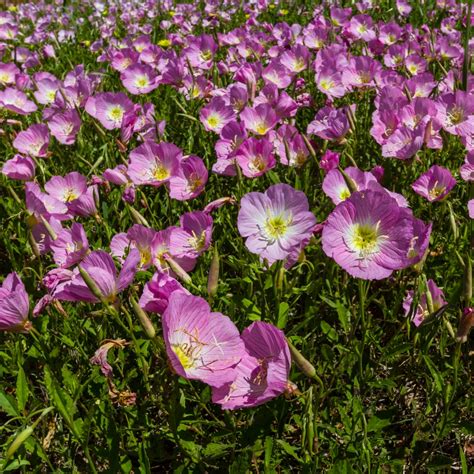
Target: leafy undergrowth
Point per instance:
(377, 394)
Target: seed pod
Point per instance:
(176, 267)
(213, 278)
(92, 285)
(142, 316)
(468, 282)
(465, 324)
(49, 229)
(349, 181)
(303, 364)
(138, 218)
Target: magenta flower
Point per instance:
(435, 184)
(255, 157)
(154, 164)
(467, 169)
(109, 108)
(190, 180)
(335, 186)
(470, 208)
(231, 136)
(329, 82)
(370, 235)
(260, 119)
(194, 235)
(139, 79)
(19, 167)
(275, 222)
(14, 305)
(101, 268)
(47, 89)
(329, 161)
(72, 190)
(456, 113)
(8, 72)
(70, 246)
(157, 292)
(421, 312)
(16, 101)
(65, 126)
(216, 115)
(263, 372)
(162, 249)
(200, 344)
(330, 124)
(33, 141)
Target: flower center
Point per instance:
(213, 121)
(326, 84)
(141, 81)
(115, 113)
(456, 116)
(160, 173)
(277, 226)
(365, 238)
(257, 164)
(183, 354)
(261, 128)
(436, 191)
(206, 55)
(197, 242)
(70, 195)
(344, 194)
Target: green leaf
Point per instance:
(289, 449)
(437, 377)
(22, 390)
(329, 331)
(283, 315)
(8, 404)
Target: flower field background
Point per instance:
(236, 236)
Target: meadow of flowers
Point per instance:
(236, 236)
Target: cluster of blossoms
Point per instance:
(252, 122)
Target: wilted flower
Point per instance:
(14, 305)
(422, 310)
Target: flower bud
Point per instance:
(142, 316)
(213, 278)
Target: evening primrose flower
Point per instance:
(154, 164)
(370, 235)
(263, 372)
(275, 222)
(216, 115)
(422, 311)
(109, 108)
(200, 344)
(14, 305)
(435, 184)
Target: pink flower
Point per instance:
(216, 115)
(33, 141)
(190, 180)
(329, 161)
(200, 344)
(109, 108)
(275, 222)
(255, 157)
(8, 72)
(421, 312)
(72, 190)
(16, 101)
(14, 305)
(154, 164)
(263, 372)
(19, 167)
(70, 246)
(260, 119)
(139, 79)
(157, 292)
(370, 235)
(329, 124)
(65, 126)
(101, 268)
(194, 235)
(435, 184)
